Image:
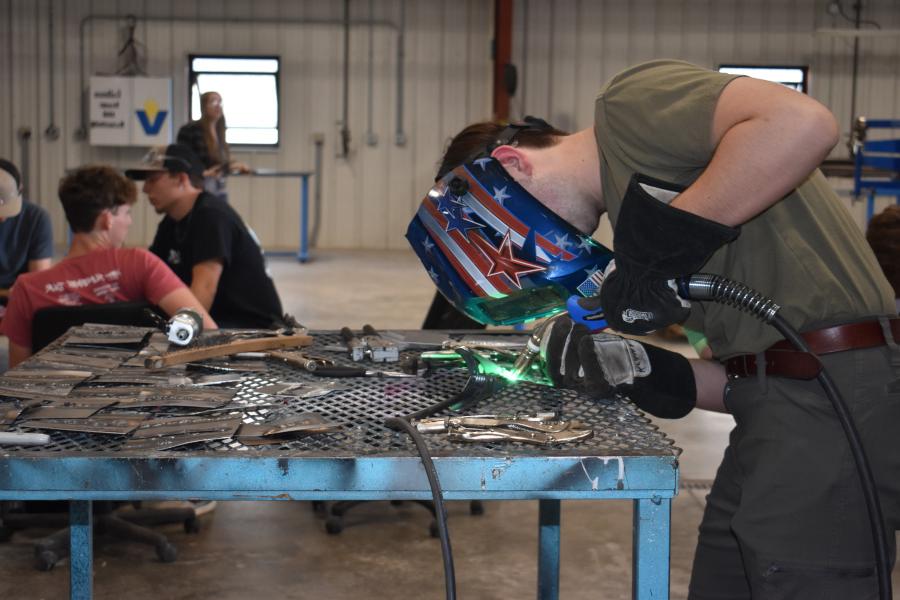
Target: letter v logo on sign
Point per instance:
(151, 117)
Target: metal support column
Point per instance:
(303, 254)
(548, 549)
(651, 548)
(81, 550)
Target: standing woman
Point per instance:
(206, 137)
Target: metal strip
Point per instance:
(548, 549)
(81, 550)
(651, 548)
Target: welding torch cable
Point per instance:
(440, 515)
(703, 286)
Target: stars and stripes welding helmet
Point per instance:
(495, 252)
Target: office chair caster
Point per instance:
(46, 560)
(166, 552)
(192, 525)
(334, 525)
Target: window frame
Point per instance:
(192, 78)
(804, 85)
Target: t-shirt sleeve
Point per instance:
(153, 275)
(41, 242)
(213, 238)
(19, 315)
(659, 114)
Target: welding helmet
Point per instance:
(494, 251)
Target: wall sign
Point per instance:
(130, 111)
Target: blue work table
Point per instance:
(627, 458)
(302, 253)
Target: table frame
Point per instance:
(650, 482)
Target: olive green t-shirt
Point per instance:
(805, 252)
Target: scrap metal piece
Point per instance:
(301, 390)
(114, 424)
(106, 336)
(10, 411)
(18, 386)
(184, 426)
(143, 397)
(62, 412)
(304, 423)
(218, 365)
(172, 441)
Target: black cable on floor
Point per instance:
(402, 424)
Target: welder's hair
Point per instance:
(883, 234)
(88, 191)
(482, 136)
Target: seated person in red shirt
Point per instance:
(97, 270)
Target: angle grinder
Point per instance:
(184, 326)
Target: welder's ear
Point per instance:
(513, 160)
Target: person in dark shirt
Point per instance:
(26, 237)
(206, 243)
(206, 137)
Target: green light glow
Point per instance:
(498, 366)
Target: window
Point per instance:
(249, 89)
(795, 78)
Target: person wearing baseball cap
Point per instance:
(98, 268)
(206, 243)
(26, 237)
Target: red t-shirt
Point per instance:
(99, 277)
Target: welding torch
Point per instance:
(593, 319)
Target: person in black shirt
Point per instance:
(206, 243)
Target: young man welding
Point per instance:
(701, 171)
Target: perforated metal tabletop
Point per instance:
(627, 458)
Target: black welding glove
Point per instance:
(656, 380)
(655, 243)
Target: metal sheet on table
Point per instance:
(619, 428)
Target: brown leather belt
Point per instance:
(783, 361)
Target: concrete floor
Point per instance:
(281, 550)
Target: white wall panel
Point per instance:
(610, 35)
(565, 49)
(368, 197)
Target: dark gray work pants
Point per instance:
(786, 516)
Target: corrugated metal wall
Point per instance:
(564, 49)
(367, 198)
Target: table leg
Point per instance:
(651, 548)
(302, 254)
(81, 551)
(548, 549)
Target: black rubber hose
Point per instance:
(866, 478)
(402, 424)
(719, 289)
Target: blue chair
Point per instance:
(876, 169)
